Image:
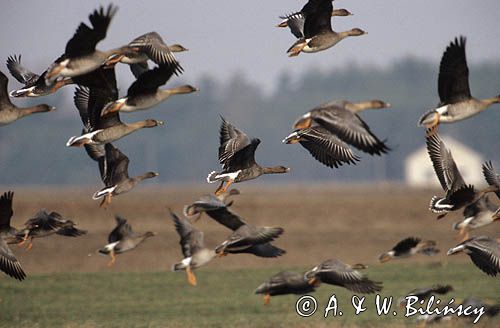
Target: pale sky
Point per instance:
(226, 37)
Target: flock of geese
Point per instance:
(329, 132)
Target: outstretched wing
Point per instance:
(115, 166)
(19, 72)
(491, 176)
(445, 167)
(6, 210)
(85, 39)
(155, 48)
(325, 147)
(453, 81)
(350, 128)
(406, 244)
(191, 238)
(8, 262)
(318, 15)
(4, 95)
(227, 218)
(122, 230)
(236, 150)
(149, 81)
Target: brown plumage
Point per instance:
(237, 157)
(458, 193)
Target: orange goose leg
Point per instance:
(190, 276)
(222, 189)
(113, 258)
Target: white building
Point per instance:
(420, 173)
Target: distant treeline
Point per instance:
(33, 152)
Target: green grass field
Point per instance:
(222, 297)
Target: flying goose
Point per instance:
(193, 248)
(336, 272)
(34, 84)
(113, 166)
(208, 203)
(476, 215)
(341, 118)
(44, 224)
(408, 247)
(81, 55)
(483, 251)
(9, 112)
(148, 46)
(295, 21)
(123, 239)
(324, 146)
(286, 282)
(145, 93)
(237, 157)
(318, 34)
(458, 194)
(456, 102)
(245, 237)
(251, 239)
(91, 100)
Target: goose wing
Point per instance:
(115, 166)
(336, 272)
(121, 231)
(445, 167)
(453, 81)
(227, 218)
(191, 238)
(155, 48)
(8, 262)
(149, 81)
(318, 15)
(86, 38)
(491, 175)
(350, 128)
(4, 95)
(406, 244)
(325, 147)
(266, 250)
(295, 22)
(236, 150)
(94, 91)
(485, 254)
(247, 236)
(21, 73)
(46, 221)
(6, 210)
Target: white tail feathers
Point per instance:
(83, 139)
(108, 248)
(180, 266)
(103, 192)
(20, 92)
(437, 206)
(213, 177)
